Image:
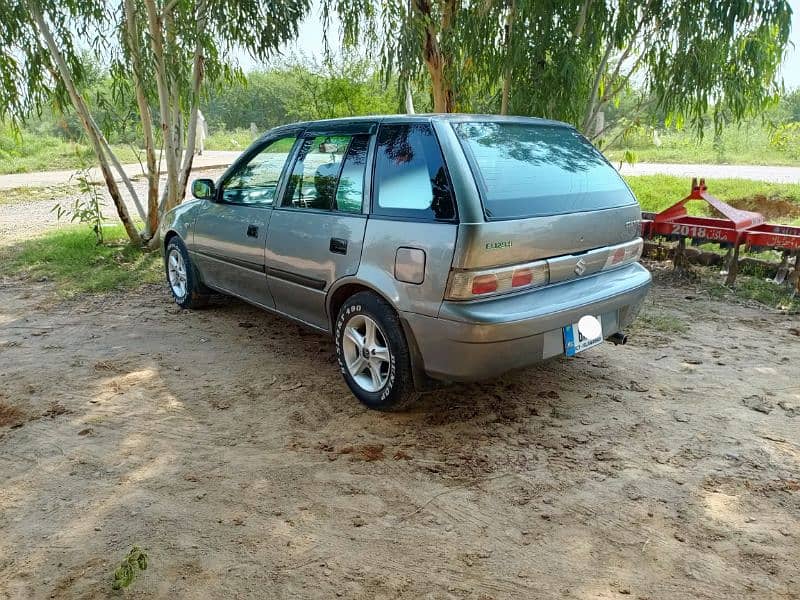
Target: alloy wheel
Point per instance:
(176, 270)
(366, 353)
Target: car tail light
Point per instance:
(465, 285)
(484, 284)
(624, 254)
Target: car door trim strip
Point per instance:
(309, 282)
(245, 264)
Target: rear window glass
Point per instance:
(527, 170)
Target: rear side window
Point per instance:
(529, 170)
(350, 191)
(410, 176)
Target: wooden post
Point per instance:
(733, 266)
(679, 261)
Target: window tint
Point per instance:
(410, 177)
(528, 170)
(255, 182)
(350, 193)
(312, 183)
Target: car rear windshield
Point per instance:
(530, 170)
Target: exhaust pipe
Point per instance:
(618, 339)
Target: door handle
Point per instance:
(338, 246)
(252, 231)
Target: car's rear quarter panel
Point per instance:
(377, 269)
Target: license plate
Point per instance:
(584, 334)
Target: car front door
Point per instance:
(317, 230)
(231, 231)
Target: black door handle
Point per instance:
(252, 231)
(338, 246)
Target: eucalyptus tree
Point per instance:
(570, 59)
(161, 52)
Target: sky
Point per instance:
(791, 65)
(309, 43)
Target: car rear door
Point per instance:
(230, 232)
(316, 232)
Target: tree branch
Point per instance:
(581, 19)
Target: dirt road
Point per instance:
(211, 159)
(225, 443)
(22, 220)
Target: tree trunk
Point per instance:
(151, 224)
(198, 66)
(409, 99)
(167, 126)
(442, 95)
(89, 126)
(592, 101)
(435, 61)
(512, 9)
(581, 19)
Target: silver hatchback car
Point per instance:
(432, 247)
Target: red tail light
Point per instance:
(521, 277)
(484, 284)
(467, 284)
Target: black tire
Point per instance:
(398, 391)
(195, 294)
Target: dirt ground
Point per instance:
(225, 443)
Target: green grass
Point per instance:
(748, 144)
(72, 260)
(755, 289)
(237, 139)
(657, 192)
(32, 152)
(660, 322)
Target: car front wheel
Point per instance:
(373, 354)
(182, 278)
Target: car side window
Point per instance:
(312, 183)
(255, 182)
(410, 176)
(350, 191)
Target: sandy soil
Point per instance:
(225, 443)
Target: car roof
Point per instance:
(422, 117)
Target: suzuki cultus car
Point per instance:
(431, 247)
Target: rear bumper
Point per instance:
(478, 340)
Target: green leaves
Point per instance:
(126, 572)
(694, 59)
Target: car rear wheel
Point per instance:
(183, 282)
(373, 354)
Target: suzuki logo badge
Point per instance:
(580, 267)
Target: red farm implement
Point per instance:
(732, 229)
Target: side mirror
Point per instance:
(203, 189)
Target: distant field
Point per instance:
(747, 144)
(30, 152)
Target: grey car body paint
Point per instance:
(449, 340)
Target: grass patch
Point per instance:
(32, 152)
(72, 260)
(747, 144)
(660, 322)
(657, 192)
(235, 139)
(756, 289)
